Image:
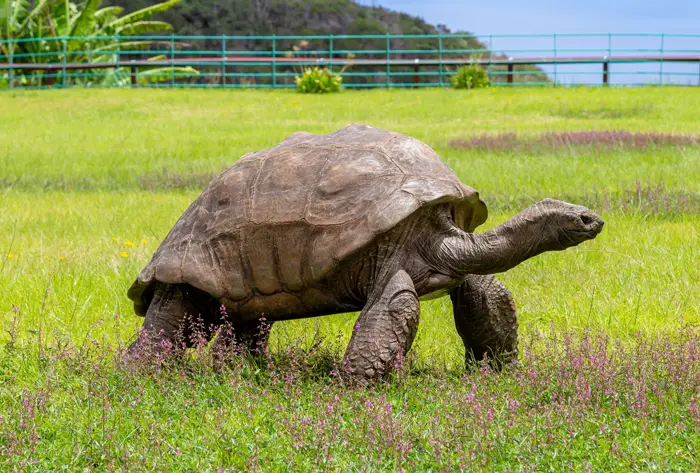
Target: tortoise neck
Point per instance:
(496, 250)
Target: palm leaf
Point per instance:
(134, 45)
(143, 27)
(5, 17)
(124, 46)
(108, 13)
(67, 20)
(59, 18)
(84, 23)
(39, 9)
(143, 13)
(12, 11)
(5, 13)
(5, 23)
(20, 9)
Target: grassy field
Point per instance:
(609, 380)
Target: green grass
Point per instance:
(93, 180)
(129, 138)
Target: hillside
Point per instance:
(285, 17)
(308, 17)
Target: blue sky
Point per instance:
(590, 16)
(551, 16)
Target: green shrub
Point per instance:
(472, 76)
(37, 27)
(314, 80)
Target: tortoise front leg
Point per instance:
(486, 320)
(179, 316)
(385, 329)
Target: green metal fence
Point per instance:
(365, 60)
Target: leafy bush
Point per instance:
(314, 80)
(472, 76)
(35, 32)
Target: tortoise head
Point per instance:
(559, 225)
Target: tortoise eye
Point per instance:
(452, 215)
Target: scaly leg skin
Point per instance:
(486, 320)
(178, 317)
(384, 331)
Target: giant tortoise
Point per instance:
(362, 219)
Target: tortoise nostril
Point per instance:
(586, 219)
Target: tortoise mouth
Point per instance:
(588, 234)
(592, 226)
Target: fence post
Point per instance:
(11, 76)
(661, 62)
(440, 54)
(119, 61)
(510, 72)
(223, 61)
(605, 73)
(416, 75)
(274, 61)
(330, 53)
(65, 58)
(51, 76)
(554, 45)
(490, 58)
(606, 67)
(172, 60)
(388, 58)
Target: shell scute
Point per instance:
(342, 194)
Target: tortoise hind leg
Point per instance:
(249, 337)
(486, 320)
(178, 317)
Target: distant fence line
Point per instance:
(366, 60)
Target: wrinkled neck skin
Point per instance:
(506, 246)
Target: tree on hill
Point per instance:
(316, 17)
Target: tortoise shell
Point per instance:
(286, 217)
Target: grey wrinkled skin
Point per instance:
(486, 320)
(362, 219)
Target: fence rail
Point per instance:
(366, 61)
